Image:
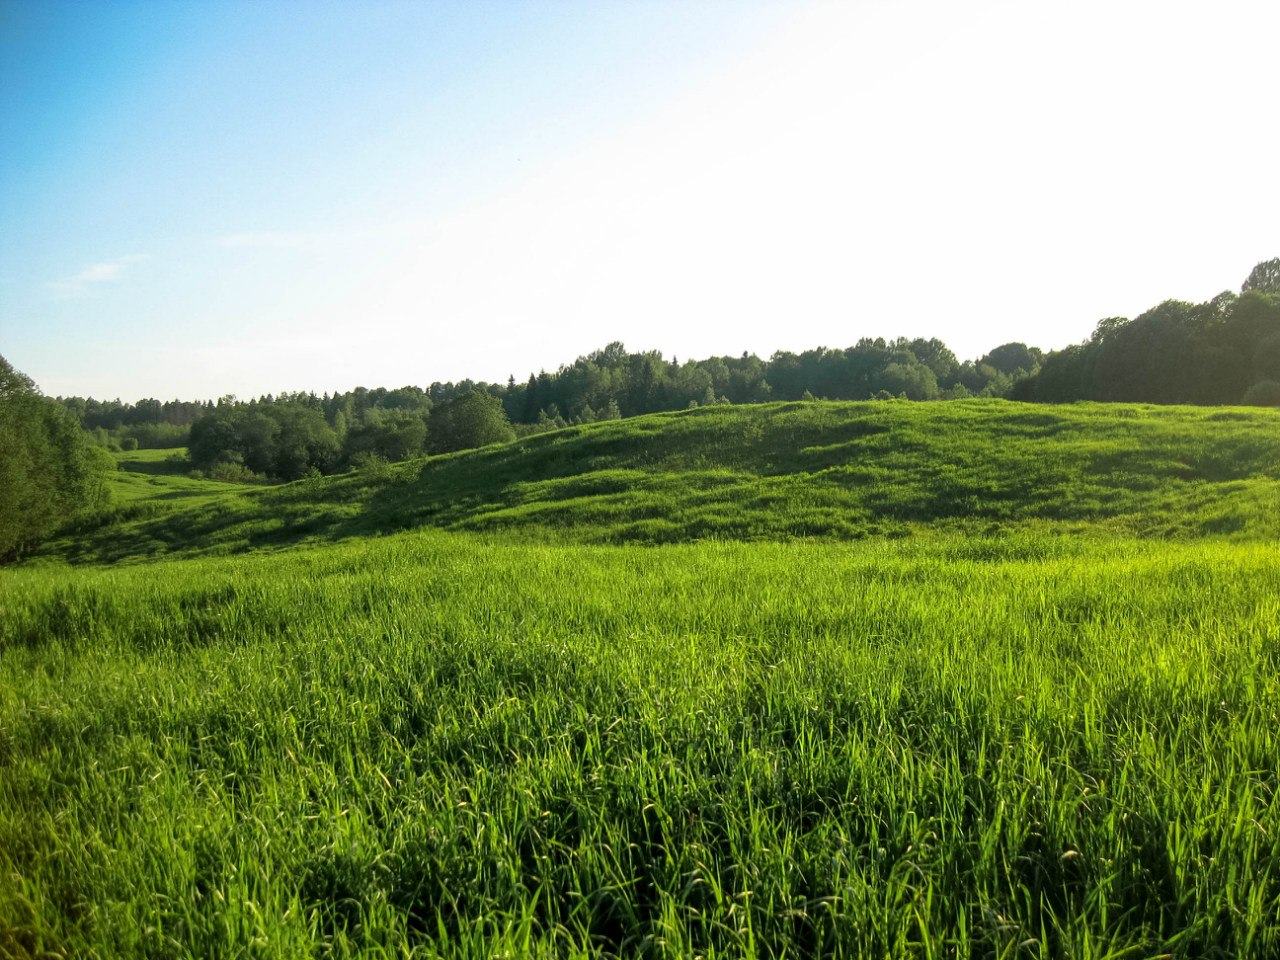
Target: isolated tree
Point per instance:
(1264, 278)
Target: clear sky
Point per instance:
(204, 198)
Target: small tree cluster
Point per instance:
(1223, 351)
(475, 419)
(49, 471)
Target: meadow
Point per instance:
(767, 472)
(1003, 727)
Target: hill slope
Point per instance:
(767, 472)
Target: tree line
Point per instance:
(289, 436)
(1224, 351)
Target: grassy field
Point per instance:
(831, 471)
(162, 477)
(1041, 727)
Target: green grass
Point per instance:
(971, 680)
(833, 471)
(162, 477)
(429, 745)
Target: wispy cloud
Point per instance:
(83, 282)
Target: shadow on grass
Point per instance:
(775, 471)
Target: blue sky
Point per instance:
(205, 198)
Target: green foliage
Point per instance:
(998, 746)
(389, 435)
(475, 419)
(153, 422)
(1264, 393)
(1208, 353)
(305, 442)
(278, 440)
(155, 436)
(49, 470)
(1014, 358)
(914, 381)
(1264, 278)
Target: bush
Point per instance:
(1264, 393)
(233, 473)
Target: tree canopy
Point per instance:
(49, 472)
(1264, 278)
(1219, 352)
(474, 419)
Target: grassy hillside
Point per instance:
(778, 471)
(424, 745)
(162, 476)
(498, 728)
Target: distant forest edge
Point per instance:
(52, 465)
(1224, 351)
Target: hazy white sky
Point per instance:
(252, 198)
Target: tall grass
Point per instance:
(426, 745)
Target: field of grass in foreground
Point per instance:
(425, 745)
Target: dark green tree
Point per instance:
(217, 438)
(474, 419)
(49, 470)
(1264, 393)
(1264, 278)
(391, 435)
(305, 442)
(1013, 357)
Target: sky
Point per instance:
(210, 198)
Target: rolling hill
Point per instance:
(769, 472)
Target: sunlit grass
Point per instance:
(160, 476)
(965, 680)
(830, 471)
(973, 747)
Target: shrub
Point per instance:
(1264, 393)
